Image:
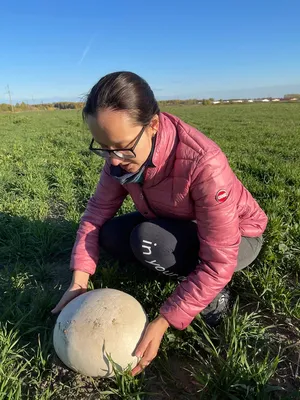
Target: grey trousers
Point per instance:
(248, 251)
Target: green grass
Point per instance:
(46, 177)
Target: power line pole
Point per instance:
(9, 95)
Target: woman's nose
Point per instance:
(115, 161)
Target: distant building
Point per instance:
(250, 101)
(237, 101)
(265, 100)
(275, 99)
(216, 102)
(293, 99)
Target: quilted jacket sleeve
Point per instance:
(102, 206)
(219, 237)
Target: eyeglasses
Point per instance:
(118, 153)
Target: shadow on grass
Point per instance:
(34, 259)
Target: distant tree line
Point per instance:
(67, 105)
(178, 102)
(64, 105)
(76, 105)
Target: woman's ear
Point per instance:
(154, 124)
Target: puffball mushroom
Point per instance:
(95, 324)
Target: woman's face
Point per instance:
(113, 129)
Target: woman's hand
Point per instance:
(148, 347)
(77, 287)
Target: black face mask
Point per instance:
(124, 177)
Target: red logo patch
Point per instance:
(221, 196)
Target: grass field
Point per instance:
(46, 177)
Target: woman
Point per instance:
(195, 221)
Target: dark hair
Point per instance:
(123, 91)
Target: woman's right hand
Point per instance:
(77, 287)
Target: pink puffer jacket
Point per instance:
(191, 180)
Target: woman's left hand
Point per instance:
(148, 347)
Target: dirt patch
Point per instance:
(73, 386)
(171, 380)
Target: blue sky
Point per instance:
(57, 50)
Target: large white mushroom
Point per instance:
(97, 323)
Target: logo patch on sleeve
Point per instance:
(221, 196)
